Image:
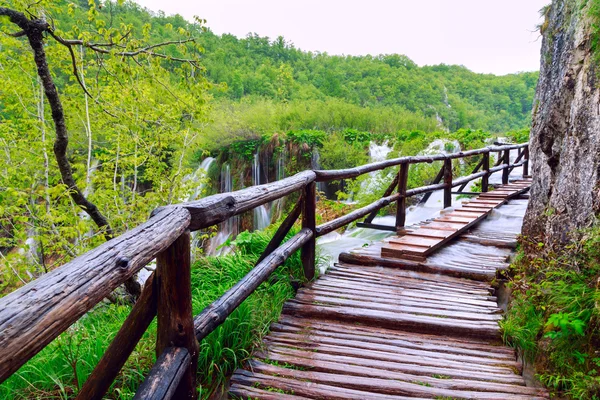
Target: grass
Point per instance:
(59, 370)
(553, 319)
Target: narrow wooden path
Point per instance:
(385, 325)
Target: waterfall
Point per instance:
(277, 205)
(197, 180)
(315, 163)
(377, 179)
(262, 214)
(228, 228)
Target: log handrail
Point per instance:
(35, 314)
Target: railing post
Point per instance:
(486, 167)
(506, 170)
(401, 204)
(526, 161)
(448, 182)
(308, 221)
(175, 325)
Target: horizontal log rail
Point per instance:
(35, 314)
(332, 175)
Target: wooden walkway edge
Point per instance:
(370, 331)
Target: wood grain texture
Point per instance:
(175, 326)
(309, 210)
(218, 208)
(165, 376)
(115, 356)
(34, 315)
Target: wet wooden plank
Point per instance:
(390, 328)
(382, 386)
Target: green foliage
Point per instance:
(338, 152)
(554, 316)
(353, 136)
(245, 149)
(255, 66)
(311, 137)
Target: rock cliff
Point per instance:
(565, 136)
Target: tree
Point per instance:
(123, 56)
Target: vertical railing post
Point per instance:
(401, 204)
(307, 252)
(526, 162)
(506, 170)
(448, 182)
(485, 180)
(175, 324)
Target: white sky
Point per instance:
(489, 36)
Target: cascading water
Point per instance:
(262, 214)
(197, 182)
(377, 179)
(332, 244)
(277, 205)
(198, 179)
(315, 163)
(229, 227)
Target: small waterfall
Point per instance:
(377, 179)
(227, 229)
(277, 205)
(262, 214)
(197, 180)
(315, 163)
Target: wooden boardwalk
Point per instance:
(380, 325)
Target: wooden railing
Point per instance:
(32, 316)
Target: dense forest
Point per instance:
(145, 98)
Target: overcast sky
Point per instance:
(489, 36)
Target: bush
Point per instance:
(554, 316)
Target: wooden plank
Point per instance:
(376, 355)
(374, 372)
(165, 376)
(249, 392)
(413, 240)
(444, 344)
(383, 386)
(175, 325)
(397, 320)
(452, 218)
(308, 251)
(395, 366)
(355, 258)
(429, 233)
(393, 334)
(309, 389)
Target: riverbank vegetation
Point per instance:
(554, 317)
